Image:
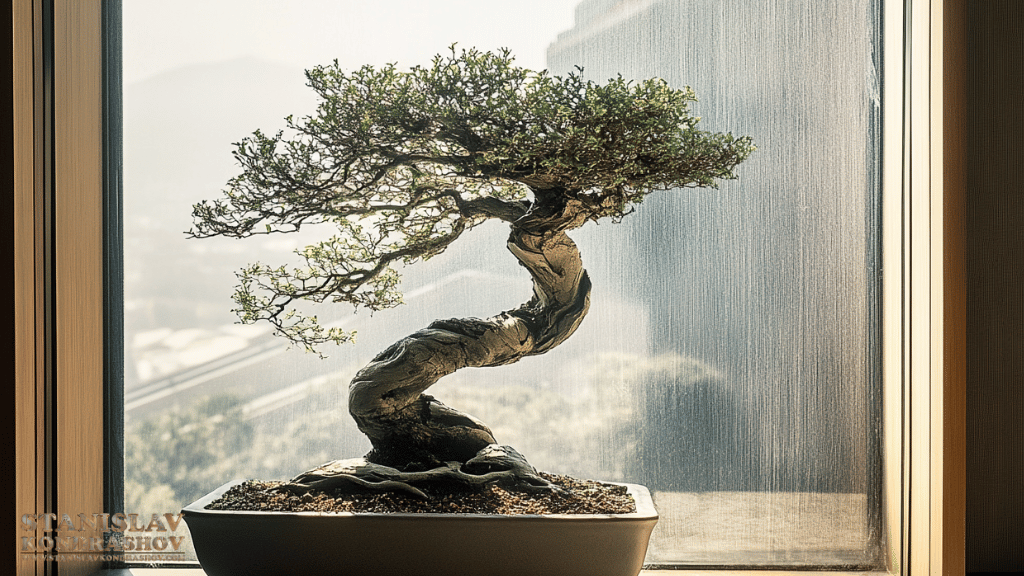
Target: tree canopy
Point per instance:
(404, 162)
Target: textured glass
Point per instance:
(729, 360)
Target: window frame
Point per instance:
(65, 174)
(58, 261)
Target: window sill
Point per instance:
(200, 572)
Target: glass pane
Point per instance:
(729, 360)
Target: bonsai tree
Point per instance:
(403, 163)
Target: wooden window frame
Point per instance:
(65, 461)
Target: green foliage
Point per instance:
(404, 162)
(174, 458)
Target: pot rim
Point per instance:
(641, 497)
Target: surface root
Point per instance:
(500, 465)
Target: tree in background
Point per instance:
(402, 164)
(175, 458)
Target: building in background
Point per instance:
(771, 282)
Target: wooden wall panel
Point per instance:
(78, 261)
(28, 378)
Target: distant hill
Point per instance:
(178, 130)
(179, 127)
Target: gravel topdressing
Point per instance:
(580, 497)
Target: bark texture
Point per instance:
(387, 399)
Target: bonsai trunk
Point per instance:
(386, 398)
(418, 440)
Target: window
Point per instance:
(916, 361)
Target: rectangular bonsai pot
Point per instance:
(279, 543)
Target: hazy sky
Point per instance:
(159, 36)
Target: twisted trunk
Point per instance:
(411, 430)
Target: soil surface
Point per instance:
(578, 497)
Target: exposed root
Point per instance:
(494, 464)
